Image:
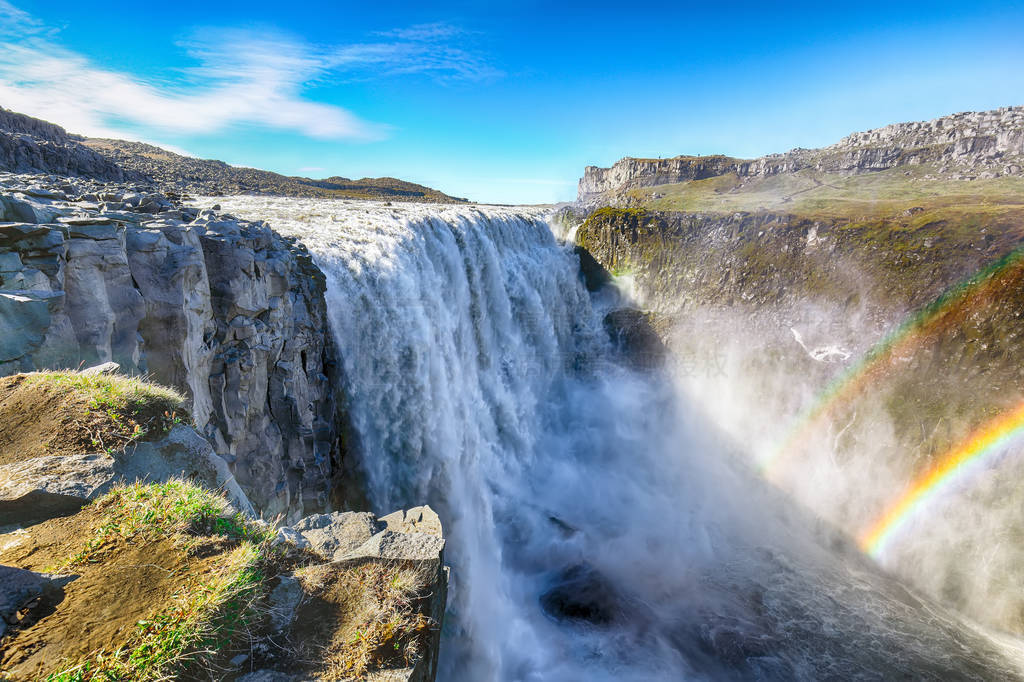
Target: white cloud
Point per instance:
(425, 32)
(242, 78)
(11, 16)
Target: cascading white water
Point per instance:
(596, 529)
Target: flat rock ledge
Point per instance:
(347, 539)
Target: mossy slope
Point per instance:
(170, 581)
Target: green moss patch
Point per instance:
(66, 413)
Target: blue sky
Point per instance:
(499, 102)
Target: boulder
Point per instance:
(416, 520)
(290, 535)
(335, 535)
(415, 534)
(99, 370)
(399, 546)
(36, 489)
(182, 453)
(45, 487)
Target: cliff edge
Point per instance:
(225, 310)
(127, 551)
(963, 146)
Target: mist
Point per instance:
(756, 374)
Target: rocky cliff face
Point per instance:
(224, 309)
(964, 145)
(678, 261)
(28, 145)
(599, 185)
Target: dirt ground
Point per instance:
(39, 547)
(99, 609)
(36, 421)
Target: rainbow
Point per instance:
(897, 342)
(990, 438)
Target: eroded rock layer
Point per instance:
(966, 145)
(224, 309)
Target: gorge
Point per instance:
(593, 400)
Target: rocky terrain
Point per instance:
(962, 146)
(173, 172)
(29, 145)
(103, 492)
(101, 268)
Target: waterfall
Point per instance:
(598, 528)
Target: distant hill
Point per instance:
(934, 155)
(30, 145)
(207, 176)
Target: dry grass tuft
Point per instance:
(370, 613)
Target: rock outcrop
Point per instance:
(412, 539)
(29, 145)
(41, 487)
(224, 309)
(963, 146)
(336, 596)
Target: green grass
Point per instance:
(138, 409)
(158, 510)
(821, 195)
(188, 633)
(201, 621)
(373, 617)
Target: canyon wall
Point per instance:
(965, 145)
(223, 309)
(902, 335)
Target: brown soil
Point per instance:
(42, 546)
(329, 612)
(36, 421)
(46, 417)
(99, 609)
